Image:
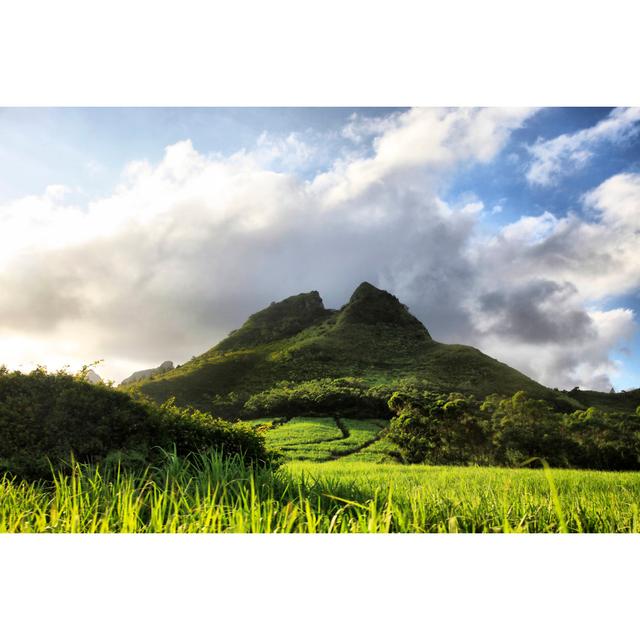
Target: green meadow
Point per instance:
(335, 478)
(323, 439)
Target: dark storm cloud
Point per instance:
(538, 312)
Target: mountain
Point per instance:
(145, 374)
(373, 337)
(93, 377)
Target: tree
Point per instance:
(523, 427)
(437, 428)
(605, 440)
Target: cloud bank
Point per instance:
(182, 251)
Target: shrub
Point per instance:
(45, 419)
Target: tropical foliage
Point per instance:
(458, 429)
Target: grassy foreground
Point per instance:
(213, 494)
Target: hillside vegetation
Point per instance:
(625, 401)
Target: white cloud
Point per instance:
(473, 207)
(183, 250)
(578, 263)
(360, 128)
(287, 153)
(530, 230)
(417, 147)
(618, 201)
(601, 256)
(567, 153)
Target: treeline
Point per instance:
(458, 429)
(46, 419)
(349, 397)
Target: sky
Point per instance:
(134, 236)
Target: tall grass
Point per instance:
(211, 493)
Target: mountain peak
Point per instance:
(370, 305)
(366, 289)
(277, 321)
(93, 377)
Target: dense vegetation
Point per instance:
(48, 419)
(341, 474)
(457, 429)
(624, 401)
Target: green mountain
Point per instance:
(373, 337)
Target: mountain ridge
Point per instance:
(373, 337)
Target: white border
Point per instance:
(306, 586)
(330, 53)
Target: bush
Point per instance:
(193, 431)
(45, 419)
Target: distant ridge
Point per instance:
(92, 377)
(145, 374)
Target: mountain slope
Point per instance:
(373, 337)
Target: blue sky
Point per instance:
(524, 228)
(90, 146)
(504, 178)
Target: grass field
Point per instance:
(418, 498)
(353, 493)
(300, 432)
(322, 439)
